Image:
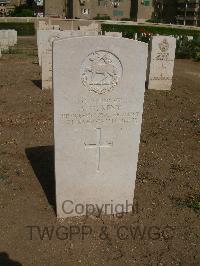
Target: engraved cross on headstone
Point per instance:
(98, 146)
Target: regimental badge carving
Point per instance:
(101, 71)
(164, 46)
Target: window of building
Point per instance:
(85, 11)
(82, 2)
(102, 2)
(146, 2)
(118, 13)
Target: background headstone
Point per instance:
(12, 37)
(93, 27)
(99, 85)
(4, 40)
(90, 33)
(47, 70)
(42, 39)
(46, 60)
(161, 62)
(113, 34)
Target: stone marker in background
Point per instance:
(12, 37)
(56, 27)
(90, 33)
(99, 85)
(8, 38)
(161, 62)
(43, 25)
(4, 40)
(113, 34)
(47, 70)
(92, 27)
(46, 60)
(42, 39)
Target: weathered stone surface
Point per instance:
(42, 39)
(99, 85)
(47, 70)
(47, 53)
(92, 27)
(4, 40)
(161, 62)
(43, 25)
(113, 34)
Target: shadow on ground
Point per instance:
(37, 83)
(6, 261)
(42, 161)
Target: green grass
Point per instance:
(191, 203)
(195, 122)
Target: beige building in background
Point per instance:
(55, 8)
(90, 9)
(145, 10)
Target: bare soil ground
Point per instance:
(167, 185)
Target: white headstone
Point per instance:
(12, 37)
(93, 27)
(4, 40)
(113, 34)
(161, 62)
(46, 57)
(46, 60)
(90, 33)
(47, 70)
(99, 85)
(56, 27)
(43, 25)
(42, 39)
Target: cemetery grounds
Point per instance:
(165, 227)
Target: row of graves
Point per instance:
(98, 85)
(8, 38)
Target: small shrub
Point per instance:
(196, 49)
(22, 11)
(183, 48)
(98, 17)
(125, 19)
(22, 28)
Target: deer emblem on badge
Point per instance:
(101, 72)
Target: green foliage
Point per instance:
(188, 48)
(125, 19)
(23, 29)
(192, 203)
(196, 49)
(98, 17)
(185, 48)
(161, 30)
(154, 20)
(22, 11)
